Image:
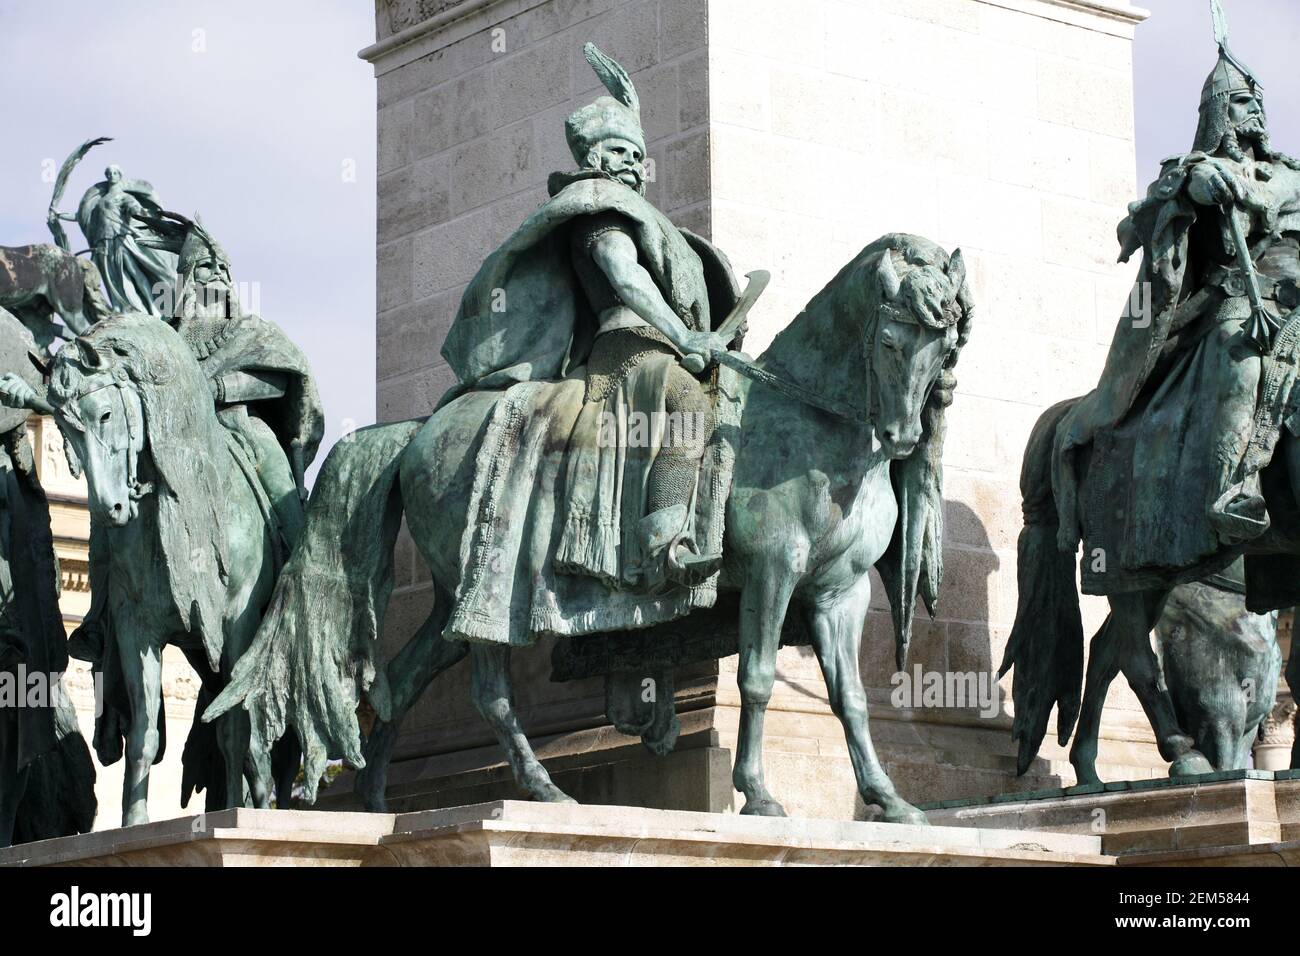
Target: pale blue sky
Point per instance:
(1173, 53)
(253, 129)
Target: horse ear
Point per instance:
(889, 281)
(90, 356)
(957, 270)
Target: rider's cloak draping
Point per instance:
(523, 316)
(254, 344)
(555, 496)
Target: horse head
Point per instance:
(921, 322)
(136, 410)
(102, 418)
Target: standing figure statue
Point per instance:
(137, 278)
(47, 779)
(605, 464)
(1185, 456)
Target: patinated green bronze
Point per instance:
(137, 270)
(1185, 456)
(186, 430)
(47, 779)
(1221, 664)
(43, 284)
(606, 465)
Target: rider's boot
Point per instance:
(1238, 512)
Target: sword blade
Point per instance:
(758, 280)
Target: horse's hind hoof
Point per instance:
(762, 808)
(1190, 764)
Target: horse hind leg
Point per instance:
(1103, 666)
(425, 656)
(494, 700)
(1138, 614)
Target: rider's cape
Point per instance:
(523, 316)
(1158, 226)
(253, 344)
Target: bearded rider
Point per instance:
(260, 381)
(1188, 363)
(627, 296)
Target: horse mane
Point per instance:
(188, 448)
(841, 319)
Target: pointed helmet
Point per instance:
(1229, 76)
(615, 116)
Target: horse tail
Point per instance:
(314, 654)
(1046, 643)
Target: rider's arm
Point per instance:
(615, 253)
(234, 388)
(15, 393)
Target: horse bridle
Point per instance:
(118, 379)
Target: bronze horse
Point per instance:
(41, 282)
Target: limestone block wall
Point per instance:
(793, 134)
(1005, 129)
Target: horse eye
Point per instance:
(103, 419)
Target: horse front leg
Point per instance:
(494, 699)
(425, 656)
(142, 675)
(836, 627)
(763, 603)
(1136, 615)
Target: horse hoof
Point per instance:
(762, 808)
(1086, 777)
(906, 813)
(549, 793)
(1190, 764)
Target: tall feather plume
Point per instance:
(1220, 23)
(614, 77)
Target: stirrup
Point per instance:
(692, 570)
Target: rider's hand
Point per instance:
(14, 392)
(1212, 185)
(706, 345)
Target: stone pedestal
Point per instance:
(510, 833)
(1222, 810)
(792, 134)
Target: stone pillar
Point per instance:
(793, 134)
